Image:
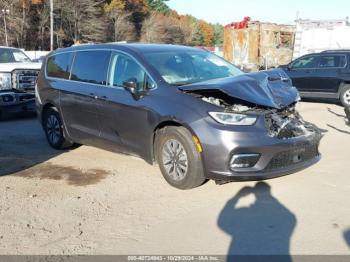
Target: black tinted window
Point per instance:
(59, 65)
(332, 61)
(91, 66)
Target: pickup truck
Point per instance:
(18, 76)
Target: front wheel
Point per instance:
(53, 128)
(178, 158)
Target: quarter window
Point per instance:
(91, 66)
(332, 61)
(59, 65)
(306, 62)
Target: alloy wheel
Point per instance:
(175, 160)
(53, 129)
(347, 97)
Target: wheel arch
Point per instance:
(46, 107)
(164, 124)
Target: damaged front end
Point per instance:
(280, 123)
(278, 141)
(288, 123)
(269, 93)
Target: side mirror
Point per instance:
(131, 85)
(289, 67)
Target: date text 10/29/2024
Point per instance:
(173, 258)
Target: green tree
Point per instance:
(218, 34)
(158, 6)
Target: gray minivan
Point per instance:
(196, 115)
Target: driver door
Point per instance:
(302, 72)
(123, 117)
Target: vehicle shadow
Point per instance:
(263, 228)
(338, 129)
(22, 145)
(347, 237)
(334, 113)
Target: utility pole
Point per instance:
(4, 12)
(51, 25)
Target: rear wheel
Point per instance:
(178, 158)
(345, 96)
(53, 128)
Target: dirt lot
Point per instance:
(89, 201)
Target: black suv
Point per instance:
(322, 75)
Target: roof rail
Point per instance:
(336, 50)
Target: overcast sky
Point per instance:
(279, 11)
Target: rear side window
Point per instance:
(330, 61)
(91, 66)
(59, 65)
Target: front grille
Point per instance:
(25, 79)
(296, 155)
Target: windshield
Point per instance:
(12, 56)
(187, 67)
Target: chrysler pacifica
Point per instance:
(191, 112)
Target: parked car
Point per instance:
(18, 76)
(322, 75)
(196, 115)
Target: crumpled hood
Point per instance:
(272, 88)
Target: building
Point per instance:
(318, 35)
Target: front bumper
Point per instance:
(278, 157)
(20, 104)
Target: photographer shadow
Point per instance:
(263, 228)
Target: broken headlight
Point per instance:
(233, 119)
(5, 81)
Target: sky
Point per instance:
(277, 11)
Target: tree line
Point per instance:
(96, 21)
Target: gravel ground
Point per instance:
(89, 201)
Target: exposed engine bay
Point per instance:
(282, 123)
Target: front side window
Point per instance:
(186, 67)
(124, 68)
(330, 61)
(13, 56)
(305, 63)
(91, 66)
(58, 66)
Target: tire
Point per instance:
(53, 128)
(189, 172)
(345, 96)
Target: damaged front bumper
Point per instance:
(272, 156)
(13, 103)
